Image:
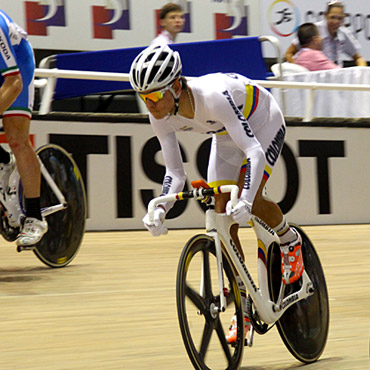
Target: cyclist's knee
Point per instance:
(18, 144)
(220, 202)
(259, 204)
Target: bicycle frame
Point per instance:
(218, 227)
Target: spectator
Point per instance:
(338, 41)
(171, 20)
(310, 55)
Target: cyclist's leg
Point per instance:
(17, 132)
(16, 122)
(266, 209)
(271, 136)
(224, 166)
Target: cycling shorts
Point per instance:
(23, 105)
(226, 159)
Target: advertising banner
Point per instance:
(320, 178)
(281, 18)
(85, 25)
(111, 24)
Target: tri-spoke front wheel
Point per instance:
(203, 326)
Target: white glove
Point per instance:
(156, 227)
(241, 213)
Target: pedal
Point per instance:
(310, 289)
(248, 341)
(21, 248)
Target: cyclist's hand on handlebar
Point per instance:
(241, 213)
(156, 227)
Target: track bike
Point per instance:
(63, 204)
(207, 289)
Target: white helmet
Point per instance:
(155, 67)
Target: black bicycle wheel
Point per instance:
(66, 228)
(304, 326)
(202, 329)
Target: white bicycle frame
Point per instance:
(218, 227)
(13, 205)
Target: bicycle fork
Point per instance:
(62, 202)
(211, 228)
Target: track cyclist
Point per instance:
(17, 68)
(245, 122)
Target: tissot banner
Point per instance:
(321, 177)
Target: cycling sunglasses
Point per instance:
(154, 96)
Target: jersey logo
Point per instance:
(4, 48)
(273, 150)
(186, 128)
(223, 129)
(211, 122)
(248, 175)
(239, 114)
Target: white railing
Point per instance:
(48, 86)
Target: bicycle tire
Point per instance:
(210, 350)
(66, 228)
(304, 326)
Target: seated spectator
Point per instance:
(339, 42)
(171, 20)
(310, 55)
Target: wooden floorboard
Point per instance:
(114, 307)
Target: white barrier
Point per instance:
(53, 74)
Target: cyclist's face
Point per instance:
(334, 19)
(173, 22)
(160, 108)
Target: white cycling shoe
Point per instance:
(32, 232)
(5, 171)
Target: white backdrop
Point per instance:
(338, 155)
(111, 24)
(72, 25)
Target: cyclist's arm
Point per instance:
(175, 177)
(12, 85)
(240, 132)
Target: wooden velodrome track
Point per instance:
(114, 306)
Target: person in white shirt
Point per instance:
(171, 19)
(338, 41)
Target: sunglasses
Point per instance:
(154, 96)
